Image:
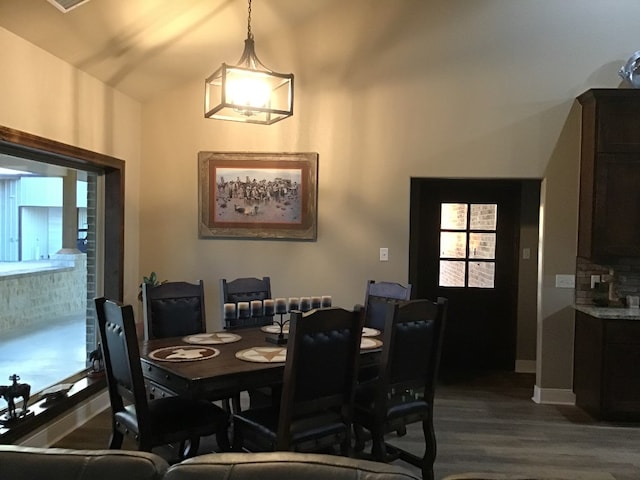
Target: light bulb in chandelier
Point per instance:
(248, 93)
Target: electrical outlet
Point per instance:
(384, 254)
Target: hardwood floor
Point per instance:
(490, 425)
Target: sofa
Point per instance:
(29, 463)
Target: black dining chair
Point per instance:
(404, 389)
(245, 289)
(377, 292)
(315, 409)
(151, 423)
(173, 309)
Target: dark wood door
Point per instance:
(480, 333)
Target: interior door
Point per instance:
(464, 246)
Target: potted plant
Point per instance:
(151, 280)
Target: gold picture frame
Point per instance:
(255, 195)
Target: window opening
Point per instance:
(467, 245)
(47, 325)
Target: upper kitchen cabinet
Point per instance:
(609, 211)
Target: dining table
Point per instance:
(217, 372)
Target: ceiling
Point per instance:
(145, 47)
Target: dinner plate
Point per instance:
(369, 343)
(183, 353)
(263, 354)
(214, 338)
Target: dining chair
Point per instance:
(150, 423)
(244, 289)
(315, 409)
(376, 292)
(403, 391)
(173, 309)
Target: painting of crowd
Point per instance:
(258, 195)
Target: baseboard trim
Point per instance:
(525, 366)
(62, 426)
(553, 396)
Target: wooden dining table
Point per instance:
(220, 376)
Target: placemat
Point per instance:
(183, 353)
(369, 343)
(275, 328)
(214, 338)
(370, 332)
(263, 354)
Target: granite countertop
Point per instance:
(610, 312)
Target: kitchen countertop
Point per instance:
(618, 313)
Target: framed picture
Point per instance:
(257, 195)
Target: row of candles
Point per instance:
(277, 306)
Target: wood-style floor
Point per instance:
(490, 425)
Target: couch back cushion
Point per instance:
(30, 463)
(283, 465)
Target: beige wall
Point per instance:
(42, 95)
(385, 90)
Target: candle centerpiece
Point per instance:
(230, 312)
(305, 304)
(256, 308)
(316, 302)
(244, 310)
(277, 307)
(294, 303)
(269, 307)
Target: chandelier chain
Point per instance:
(249, 34)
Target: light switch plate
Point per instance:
(384, 254)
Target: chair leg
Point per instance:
(237, 439)
(378, 448)
(431, 448)
(222, 438)
(115, 443)
(358, 434)
(235, 401)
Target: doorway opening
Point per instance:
(475, 242)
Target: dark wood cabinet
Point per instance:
(609, 223)
(606, 376)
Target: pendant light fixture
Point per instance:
(248, 91)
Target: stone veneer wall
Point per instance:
(91, 259)
(60, 291)
(626, 278)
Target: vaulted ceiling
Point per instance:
(144, 47)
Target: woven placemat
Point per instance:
(214, 338)
(263, 354)
(275, 328)
(369, 343)
(370, 332)
(184, 353)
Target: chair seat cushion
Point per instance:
(306, 431)
(177, 414)
(406, 405)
